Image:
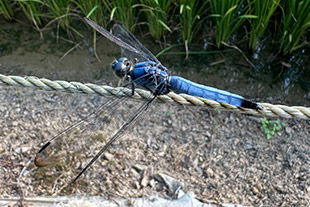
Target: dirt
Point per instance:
(222, 157)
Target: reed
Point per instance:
(6, 9)
(295, 22)
(92, 9)
(263, 10)
(156, 12)
(32, 9)
(59, 10)
(229, 15)
(191, 18)
(123, 11)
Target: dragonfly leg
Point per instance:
(45, 155)
(140, 111)
(160, 88)
(147, 78)
(132, 87)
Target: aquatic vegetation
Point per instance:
(262, 10)
(156, 12)
(228, 16)
(59, 10)
(92, 9)
(288, 21)
(6, 9)
(33, 10)
(191, 12)
(295, 21)
(123, 11)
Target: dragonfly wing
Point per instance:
(125, 39)
(71, 148)
(120, 31)
(59, 150)
(138, 113)
(110, 36)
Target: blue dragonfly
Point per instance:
(149, 74)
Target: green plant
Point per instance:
(229, 16)
(271, 127)
(6, 9)
(156, 12)
(32, 10)
(123, 11)
(60, 11)
(92, 9)
(191, 13)
(263, 10)
(295, 21)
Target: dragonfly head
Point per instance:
(121, 67)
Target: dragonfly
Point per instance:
(146, 72)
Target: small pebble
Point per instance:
(198, 170)
(248, 145)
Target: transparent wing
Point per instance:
(124, 38)
(137, 114)
(120, 31)
(59, 149)
(70, 150)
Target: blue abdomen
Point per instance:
(181, 85)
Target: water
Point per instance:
(281, 81)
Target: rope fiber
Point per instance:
(267, 109)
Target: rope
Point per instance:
(173, 98)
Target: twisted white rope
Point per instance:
(183, 99)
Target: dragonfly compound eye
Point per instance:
(121, 67)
